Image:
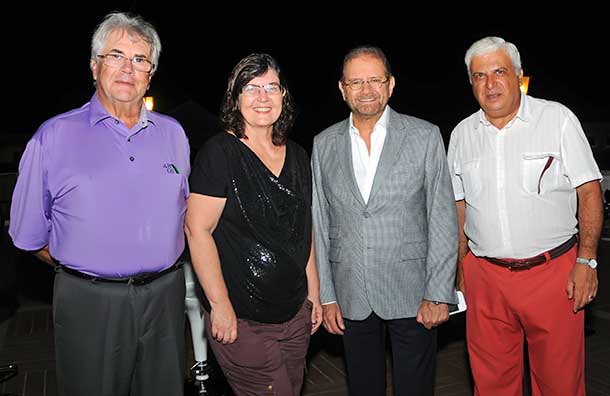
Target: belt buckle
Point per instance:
(147, 277)
(138, 280)
(519, 265)
(143, 278)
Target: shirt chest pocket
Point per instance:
(471, 178)
(540, 172)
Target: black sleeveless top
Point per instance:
(264, 233)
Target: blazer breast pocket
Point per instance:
(414, 250)
(404, 181)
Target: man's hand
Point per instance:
(582, 281)
(44, 255)
(582, 285)
(333, 319)
(431, 315)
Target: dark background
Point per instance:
(46, 59)
(45, 52)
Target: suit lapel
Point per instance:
(343, 146)
(395, 136)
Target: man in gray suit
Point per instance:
(385, 232)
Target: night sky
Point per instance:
(564, 54)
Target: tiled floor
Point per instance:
(27, 339)
(28, 342)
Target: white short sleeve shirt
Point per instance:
(519, 182)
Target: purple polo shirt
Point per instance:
(108, 200)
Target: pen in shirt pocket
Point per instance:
(546, 166)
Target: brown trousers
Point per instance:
(267, 359)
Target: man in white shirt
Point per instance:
(386, 232)
(529, 208)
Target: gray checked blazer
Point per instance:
(401, 247)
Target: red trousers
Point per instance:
(503, 307)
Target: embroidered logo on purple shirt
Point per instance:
(171, 168)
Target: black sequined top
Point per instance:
(264, 233)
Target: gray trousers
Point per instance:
(117, 339)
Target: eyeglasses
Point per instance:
(139, 63)
(357, 85)
(255, 90)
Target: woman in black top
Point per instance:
(249, 229)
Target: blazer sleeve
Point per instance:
(320, 216)
(441, 260)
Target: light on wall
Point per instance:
(525, 83)
(149, 102)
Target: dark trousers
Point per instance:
(267, 359)
(413, 356)
(117, 339)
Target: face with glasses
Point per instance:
(139, 63)
(122, 70)
(260, 101)
(365, 87)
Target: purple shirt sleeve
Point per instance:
(30, 223)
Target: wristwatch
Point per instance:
(590, 262)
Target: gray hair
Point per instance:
(134, 25)
(491, 44)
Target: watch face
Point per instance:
(590, 262)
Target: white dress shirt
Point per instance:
(365, 163)
(519, 182)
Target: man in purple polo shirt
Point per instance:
(101, 194)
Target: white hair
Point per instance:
(133, 25)
(492, 44)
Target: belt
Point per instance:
(525, 264)
(136, 280)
